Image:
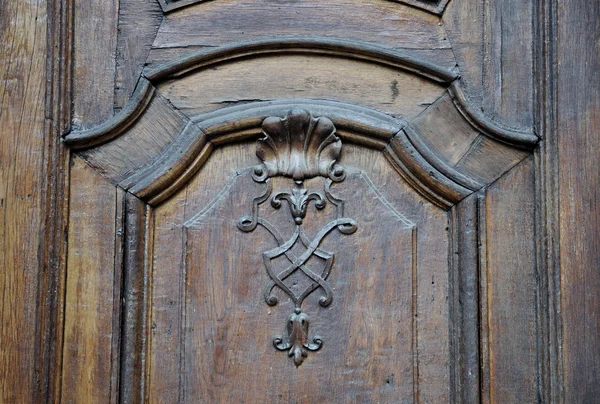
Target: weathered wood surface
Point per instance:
(138, 24)
(577, 137)
(216, 327)
(94, 61)
(93, 282)
(227, 21)
(22, 131)
(510, 274)
(268, 78)
(492, 42)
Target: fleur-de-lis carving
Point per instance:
(299, 146)
(297, 343)
(298, 201)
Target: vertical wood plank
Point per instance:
(90, 289)
(95, 41)
(465, 297)
(463, 20)
(508, 61)
(578, 134)
(138, 23)
(511, 286)
(22, 126)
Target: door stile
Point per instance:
(549, 324)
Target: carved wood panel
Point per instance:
(302, 196)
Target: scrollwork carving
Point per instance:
(300, 147)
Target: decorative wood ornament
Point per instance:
(300, 147)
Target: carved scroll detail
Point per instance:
(300, 147)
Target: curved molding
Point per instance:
(144, 92)
(518, 138)
(184, 158)
(118, 124)
(431, 176)
(320, 46)
(356, 124)
(426, 179)
(438, 163)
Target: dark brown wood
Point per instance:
(510, 261)
(138, 24)
(90, 288)
(464, 295)
(577, 134)
(432, 6)
(550, 362)
(53, 243)
(135, 302)
(380, 22)
(460, 136)
(23, 198)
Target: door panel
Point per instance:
(220, 328)
(295, 201)
(307, 211)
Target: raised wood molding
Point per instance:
(52, 236)
(525, 139)
(118, 124)
(550, 332)
(354, 50)
(198, 148)
(162, 177)
(322, 46)
(184, 158)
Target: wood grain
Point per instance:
(511, 286)
(138, 24)
(22, 129)
(157, 127)
(292, 76)
(227, 326)
(577, 135)
(95, 41)
(508, 62)
(226, 21)
(88, 335)
(493, 44)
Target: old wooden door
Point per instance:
(248, 201)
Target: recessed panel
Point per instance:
(216, 334)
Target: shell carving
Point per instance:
(299, 146)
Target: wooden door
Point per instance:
(300, 201)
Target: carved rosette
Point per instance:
(300, 147)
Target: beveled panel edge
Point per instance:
(440, 164)
(116, 125)
(426, 179)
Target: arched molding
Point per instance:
(419, 165)
(118, 124)
(197, 61)
(356, 125)
(524, 139)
